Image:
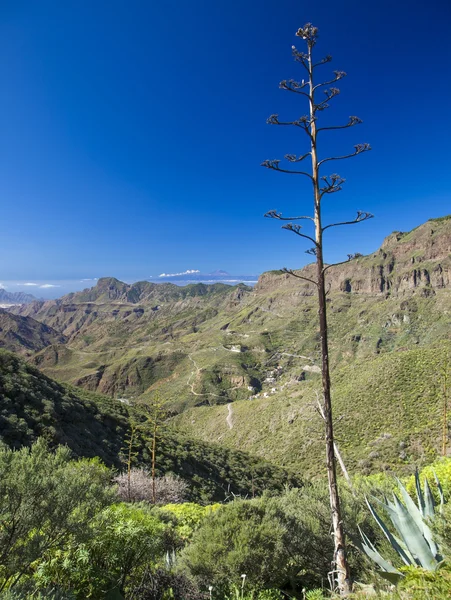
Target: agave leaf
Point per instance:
(391, 510)
(413, 537)
(390, 507)
(393, 578)
(406, 550)
(429, 504)
(393, 541)
(418, 518)
(410, 504)
(372, 553)
(421, 500)
(440, 491)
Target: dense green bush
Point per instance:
(122, 542)
(188, 517)
(242, 538)
(274, 541)
(279, 542)
(42, 595)
(45, 498)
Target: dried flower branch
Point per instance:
(361, 216)
(273, 214)
(322, 185)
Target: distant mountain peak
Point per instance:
(15, 297)
(220, 273)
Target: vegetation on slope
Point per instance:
(33, 405)
(389, 416)
(204, 346)
(65, 535)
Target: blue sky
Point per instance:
(132, 132)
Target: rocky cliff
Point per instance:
(420, 258)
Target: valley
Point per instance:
(213, 351)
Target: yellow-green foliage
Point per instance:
(379, 482)
(118, 545)
(442, 468)
(189, 516)
(419, 584)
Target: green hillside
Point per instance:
(388, 415)
(33, 405)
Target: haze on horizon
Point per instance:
(132, 136)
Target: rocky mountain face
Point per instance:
(419, 259)
(25, 335)
(7, 298)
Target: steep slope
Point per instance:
(26, 335)
(119, 348)
(33, 405)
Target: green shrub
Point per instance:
(124, 540)
(45, 498)
(189, 516)
(316, 594)
(242, 538)
(276, 542)
(419, 584)
(45, 595)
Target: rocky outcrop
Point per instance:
(420, 258)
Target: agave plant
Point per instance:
(414, 543)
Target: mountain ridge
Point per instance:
(420, 258)
(15, 297)
(25, 335)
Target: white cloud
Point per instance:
(30, 284)
(188, 272)
(89, 279)
(48, 285)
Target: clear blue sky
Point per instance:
(132, 132)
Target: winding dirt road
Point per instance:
(229, 417)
